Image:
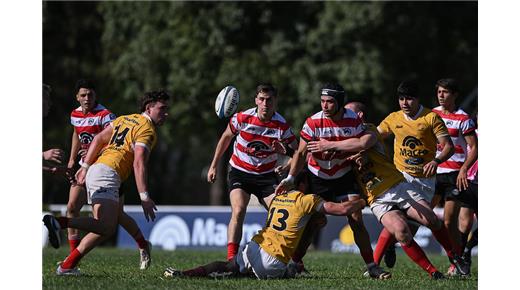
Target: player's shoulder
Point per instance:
(349, 114)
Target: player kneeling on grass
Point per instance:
(393, 200)
(268, 254)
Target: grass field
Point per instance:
(111, 268)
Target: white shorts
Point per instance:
(397, 196)
(102, 182)
(424, 185)
(265, 266)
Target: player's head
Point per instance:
(86, 94)
(46, 100)
(265, 100)
(332, 99)
(447, 92)
(358, 108)
(408, 96)
(155, 104)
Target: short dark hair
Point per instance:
(408, 88)
(449, 84)
(266, 88)
(152, 97)
(85, 84)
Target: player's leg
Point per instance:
(131, 227)
(105, 211)
(213, 269)
(396, 224)
(465, 224)
(239, 200)
(421, 212)
(77, 198)
(451, 221)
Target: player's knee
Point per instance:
(73, 209)
(238, 213)
(403, 236)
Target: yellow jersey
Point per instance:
(287, 217)
(415, 141)
(379, 173)
(128, 131)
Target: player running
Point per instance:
(331, 175)
(261, 133)
(127, 144)
(393, 200)
(268, 254)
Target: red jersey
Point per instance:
(458, 124)
(252, 151)
(89, 125)
(331, 165)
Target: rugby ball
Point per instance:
(227, 102)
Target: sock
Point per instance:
(418, 256)
(442, 236)
(73, 243)
(385, 239)
(63, 221)
(367, 256)
(297, 257)
(232, 250)
(72, 260)
(140, 240)
(195, 272)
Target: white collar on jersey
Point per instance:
(147, 117)
(416, 115)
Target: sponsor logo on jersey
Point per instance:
(410, 145)
(258, 149)
(85, 138)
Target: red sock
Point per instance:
(232, 250)
(442, 236)
(418, 256)
(63, 221)
(73, 243)
(368, 256)
(383, 242)
(195, 272)
(72, 260)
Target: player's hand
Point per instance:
(462, 180)
(55, 155)
(285, 185)
(430, 168)
(80, 176)
(149, 209)
(69, 174)
(212, 174)
(321, 145)
(278, 147)
(281, 170)
(82, 153)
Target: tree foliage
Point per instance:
(194, 49)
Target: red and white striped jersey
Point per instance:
(331, 165)
(252, 151)
(459, 124)
(89, 125)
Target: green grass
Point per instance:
(111, 268)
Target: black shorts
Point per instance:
(331, 189)
(261, 185)
(446, 187)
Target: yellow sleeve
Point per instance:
(385, 125)
(311, 203)
(145, 135)
(439, 128)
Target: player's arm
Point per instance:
(384, 128)
(447, 151)
(141, 156)
(99, 141)
(297, 162)
(74, 149)
(222, 146)
(462, 178)
(364, 142)
(344, 208)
